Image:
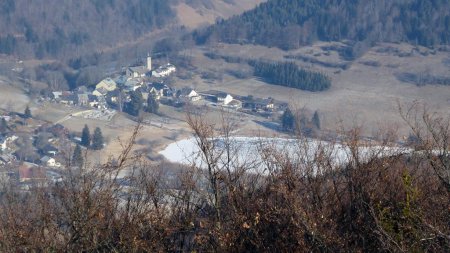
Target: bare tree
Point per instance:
(432, 132)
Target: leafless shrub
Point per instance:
(296, 198)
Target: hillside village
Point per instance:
(113, 93)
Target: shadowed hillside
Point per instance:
(56, 29)
(290, 24)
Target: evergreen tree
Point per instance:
(97, 139)
(290, 75)
(316, 120)
(86, 137)
(136, 103)
(77, 158)
(152, 104)
(3, 126)
(27, 112)
(288, 120)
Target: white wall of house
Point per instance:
(51, 162)
(3, 145)
(227, 99)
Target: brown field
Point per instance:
(155, 135)
(194, 16)
(12, 98)
(362, 94)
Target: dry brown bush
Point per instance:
(303, 202)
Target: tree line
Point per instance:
(290, 75)
(290, 24)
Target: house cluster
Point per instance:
(81, 97)
(30, 150)
(223, 99)
(114, 92)
(29, 175)
(117, 88)
(243, 103)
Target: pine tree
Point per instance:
(316, 120)
(152, 104)
(27, 112)
(86, 137)
(77, 158)
(290, 75)
(135, 105)
(288, 120)
(97, 139)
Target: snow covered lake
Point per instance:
(253, 149)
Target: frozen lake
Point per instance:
(255, 149)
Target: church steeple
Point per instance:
(149, 62)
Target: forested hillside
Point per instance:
(289, 24)
(54, 28)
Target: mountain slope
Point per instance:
(289, 24)
(56, 29)
(70, 29)
(194, 13)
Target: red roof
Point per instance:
(29, 171)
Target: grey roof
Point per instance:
(70, 97)
(102, 91)
(159, 86)
(215, 93)
(139, 69)
(121, 79)
(45, 159)
(6, 158)
(185, 91)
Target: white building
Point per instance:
(158, 90)
(189, 94)
(225, 99)
(218, 97)
(164, 71)
(50, 162)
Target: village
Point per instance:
(113, 93)
(36, 152)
